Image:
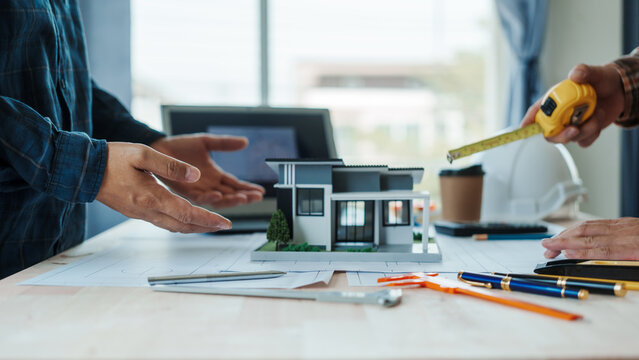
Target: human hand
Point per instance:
(215, 187)
(128, 187)
(616, 239)
(610, 102)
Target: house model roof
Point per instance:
(306, 161)
(338, 165)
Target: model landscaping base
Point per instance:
(411, 253)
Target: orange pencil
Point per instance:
(453, 287)
(410, 276)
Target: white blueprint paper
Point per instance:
(457, 254)
(150, 251)
(466, 254)
(134, 259)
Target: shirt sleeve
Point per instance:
(66, 165)
(113, 122)
(628, 68)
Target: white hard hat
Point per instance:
(529, 180)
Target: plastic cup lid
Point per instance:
(474, 170)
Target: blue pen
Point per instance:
(528, 236)
(528, 286)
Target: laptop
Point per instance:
(272, 133)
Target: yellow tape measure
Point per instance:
(567, 103)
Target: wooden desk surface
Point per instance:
(130, 323)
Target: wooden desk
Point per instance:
(127, 323)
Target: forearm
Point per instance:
(66, 165)
(628, 69)
(113, 122)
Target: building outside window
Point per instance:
(310, 202)
(396, 212)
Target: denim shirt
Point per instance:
(54, 123)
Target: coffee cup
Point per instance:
(461, 191)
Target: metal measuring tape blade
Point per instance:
(495, 141)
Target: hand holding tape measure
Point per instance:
(567, 103)
(569, 121)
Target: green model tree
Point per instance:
(278, 231)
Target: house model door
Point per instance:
(355, 222)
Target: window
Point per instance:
(310, 202)
(396, 212)
(405, 81)
(351, 213)
(195, 52)
(355, 221)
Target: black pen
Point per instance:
(598, 287)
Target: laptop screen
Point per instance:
(272, 133)
(264, 142)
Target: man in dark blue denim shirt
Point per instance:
(65, 142)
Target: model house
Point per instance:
(334, 206)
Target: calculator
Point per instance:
(472, 228)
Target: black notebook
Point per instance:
(470, 229)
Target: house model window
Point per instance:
(355, 223)
(396, 213)
(310, 202)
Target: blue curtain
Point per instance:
(523, 22)
(630, 138)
